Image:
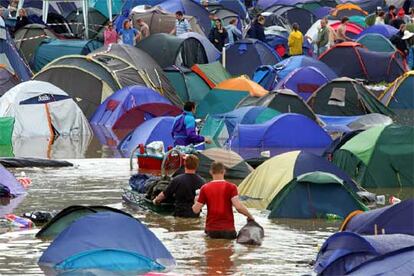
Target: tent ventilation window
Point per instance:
(337, 97)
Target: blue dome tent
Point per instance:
(97, 241)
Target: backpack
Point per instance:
(156, 186)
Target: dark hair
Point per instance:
(191, 162)
(217, 168)
(124, 23)
(391, 7)
(381, 13)
(232, 21)
(295, 26)
(179, 13)
(344, 19)
(188, 106)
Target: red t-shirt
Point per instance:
(217, 195)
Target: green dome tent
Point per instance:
(377, 43)
(379, 157)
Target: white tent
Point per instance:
(41, 109)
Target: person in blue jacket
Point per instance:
(184, 128)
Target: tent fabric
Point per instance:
(168, 50)
(188, 85)
(243, 84)
(212, 73)
(156, 129)
(342, 252)
(362, 63)
(393, 219)
(7, 179)
(382, 29)
(96, 22)
(29, 38)
(236, 167)
(266, 76)
(286, 132)
(377, 43)
(283, 100)
(211, 51)
(352, 30)
(379, 157)
(67, 216)
(42, 109)
(86, 242)
(219, 101)
(267, 180)
(399, 95)
(244, 56)
(51, 49)
(6, 130)
(7, 81)
(346, 97)
(348, 9)
(131, 106)
(306, 197)
(292, 14)
(344, 124)
(160, 21)
(304, 81)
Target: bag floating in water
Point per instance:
(251, 233)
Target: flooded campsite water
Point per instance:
(289, 246)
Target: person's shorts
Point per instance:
(227, 235)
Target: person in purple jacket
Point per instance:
(184, 128)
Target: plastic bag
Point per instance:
(252, 233)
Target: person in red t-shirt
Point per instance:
(220, 196)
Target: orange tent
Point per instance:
(348, 9)
(243, 84)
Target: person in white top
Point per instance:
(380, 19)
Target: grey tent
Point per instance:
(170, 50)
(91, 79)
(160, 21)
(7, 81)
(283, 100)
(96, 22)
(29, 37)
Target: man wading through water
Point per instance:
(220, 196)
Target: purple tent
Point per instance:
(303, 81)
(131, 106)
(8, 180)
(264, 4)
(383, 29)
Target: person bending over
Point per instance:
(220, 196)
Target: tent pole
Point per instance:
(223, 57)
(109, 3)
(85, 11)
(45, 11)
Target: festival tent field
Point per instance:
(283, 100)
(379, 157)
(168, 50)
(400, 94)
(346, 97)
(267, 180)
(305, 197)
(394, 219)
(106, 246)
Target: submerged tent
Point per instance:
(219, 101)
(283, 100)
(212, 73)
(236, 167)
(168, 50)
(155, 129)
(359, 62)
(283, 133)
(29, 37)
(345, 253)
(105, 71)
(346, 97)
(7, 179)
(131, 106)
(220, 127)
(394, 219)
(243, 84)
(188, 85)
(267, 180)
(377, 43)
(381, 156)
(7, 80)
(400, 94)
(16, 190)
(304, 81)
(314, 195)
(42, 109)
(107, 246)
(67, 216)
(244, 56)
(51, 49)
(160, 21)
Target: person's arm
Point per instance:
(241, 208)
(173, 31)
(199, 202)
(159, 198)
(237, 32)
(188, 26)
(197, 207)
